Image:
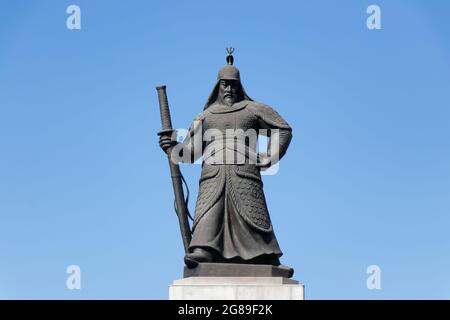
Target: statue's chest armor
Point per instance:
(239, 119)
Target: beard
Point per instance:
(229, 100)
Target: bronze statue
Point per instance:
(231, 222)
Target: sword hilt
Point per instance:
(166, 120)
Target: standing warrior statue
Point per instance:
(231, 222)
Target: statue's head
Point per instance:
(228, 89)
(230, 92)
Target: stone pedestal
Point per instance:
(236, 288)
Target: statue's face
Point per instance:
(228, 91)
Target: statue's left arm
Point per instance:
(278, 131)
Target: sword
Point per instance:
(177, 183)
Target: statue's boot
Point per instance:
(198, 255)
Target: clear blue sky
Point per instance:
(83, 181)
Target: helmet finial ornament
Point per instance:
(230, 58)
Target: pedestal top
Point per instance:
(237, 270)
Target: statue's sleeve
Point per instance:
(276, 128)
(192, 147)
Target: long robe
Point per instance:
(231, 215)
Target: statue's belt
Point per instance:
(230, 151)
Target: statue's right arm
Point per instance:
(191, 148)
